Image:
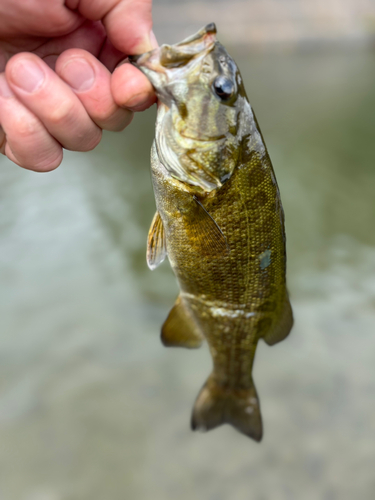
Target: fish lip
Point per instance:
(135, 59)
(203, 40)
(209, 29)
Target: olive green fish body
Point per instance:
(220, 220)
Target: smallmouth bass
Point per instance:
(219, 220)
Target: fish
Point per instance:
(220, 222)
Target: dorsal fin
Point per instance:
(156, 243)
(179, 329)
(211, 237)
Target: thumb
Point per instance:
(129, 26)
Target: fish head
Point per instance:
(202, 109)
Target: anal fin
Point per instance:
(179, 329)
(156, 243)
(283, 327)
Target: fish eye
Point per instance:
(223, 87)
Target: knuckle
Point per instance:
(119, 121)
(25, 127)
(51, 162)
(41, 158)
(93, 141)
(61, 112)
(85, 141)
(100, 112)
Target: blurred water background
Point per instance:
(92, 407)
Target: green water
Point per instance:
(93, 407)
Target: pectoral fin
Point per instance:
(179, 329)
(205, 229)
(156, 243)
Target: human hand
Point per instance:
(56, 87)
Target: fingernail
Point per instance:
(153, 41)
(27, 75)
(4, 88)
(148, 43)
(79, 74)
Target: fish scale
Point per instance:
(220, 221)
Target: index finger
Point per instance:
(131, 89)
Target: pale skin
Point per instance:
(58, 84)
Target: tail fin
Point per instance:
(216, 405)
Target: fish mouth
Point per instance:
(156, 63)
(205, 139)
(189, 46)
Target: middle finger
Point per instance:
(41, 90)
